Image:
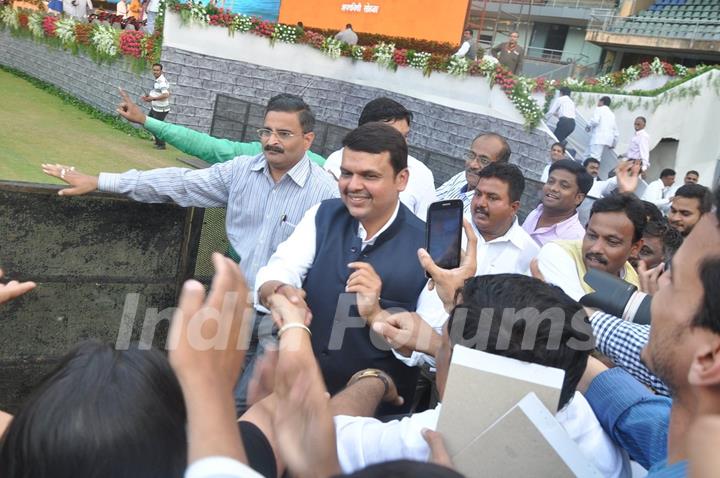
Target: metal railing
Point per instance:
(687, 29)
(547, 54)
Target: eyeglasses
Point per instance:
(266, 133)
(472, 156)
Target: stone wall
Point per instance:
(436, 128)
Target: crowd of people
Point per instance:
(141, 11)
(332, 347)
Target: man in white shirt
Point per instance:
(557, 152)
(564, 109)
(420, 190)
(486, 148)
(152, 11)
(502, 245)
(350, 260)
(158, 99)
(347, 35)
(659, 192)
(603, 129)
(639, 147)
(614, 234)
(485, 301)
(467, 49)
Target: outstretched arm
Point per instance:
(210, 149)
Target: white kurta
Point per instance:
(603, 127)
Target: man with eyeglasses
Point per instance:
(265, 195)
(486, 148)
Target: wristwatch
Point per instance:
(371, 373)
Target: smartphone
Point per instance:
(443, 232)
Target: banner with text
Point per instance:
(423, 19)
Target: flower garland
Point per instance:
(35, 24)
(104, 44)
(419, 60)
(383, 55)
(9, 17)
(65, 30)
(332, 47)
(101, 42)
(357, 52)
(105, 38)
(458, 66)
(286, 33)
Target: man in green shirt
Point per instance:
(201, 145)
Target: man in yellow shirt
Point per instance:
(613, 234)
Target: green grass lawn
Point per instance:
(37, 127)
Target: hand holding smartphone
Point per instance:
(443, 233)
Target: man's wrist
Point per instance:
(269, 288)
(382, 382)
(379, 314)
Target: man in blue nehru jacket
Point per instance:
(349, 260)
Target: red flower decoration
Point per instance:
(49, 25)
(130, 43)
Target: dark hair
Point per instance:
(582, 177)
(655, 228)
(539, 307)
(564, 91)
(287, 103)
(404, 469)
(652, 212)
(642, 118)
(507, 173)
(605, 100)
(590, 160)
(505, 152)
(557, 143)
(692, 171)
(708, 315)
(384, 109)
(101, 412)
(469, 30)
(717, 203)
(627, 203)
(349, 25)
(667, 172)
(672, 240)
(157, 64)
(699, 192)
(378, 138)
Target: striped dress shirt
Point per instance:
(456, 188)
(261, 214)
